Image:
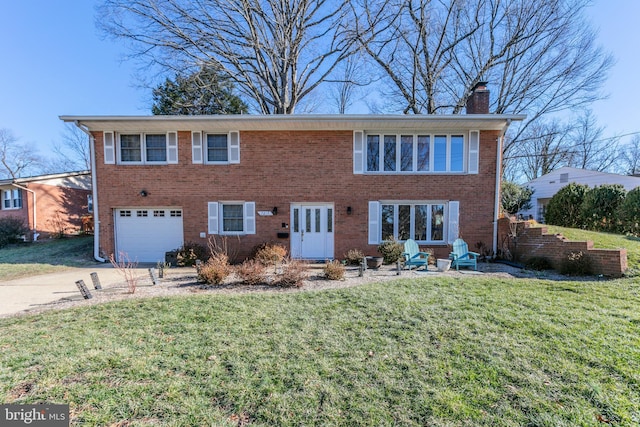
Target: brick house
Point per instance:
(318, 184)
(50, 204)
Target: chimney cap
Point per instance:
(480, 86)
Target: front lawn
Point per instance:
(30, 259)
(471, 351)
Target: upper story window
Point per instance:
(143, 148)
(140, 148)
(415, 153)
(12, 199)
(215, 148)
(411, 153)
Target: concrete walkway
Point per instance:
(30, 292)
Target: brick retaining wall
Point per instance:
(536, 241)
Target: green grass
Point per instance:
(30, 259)
(440, 351)
(604, 241)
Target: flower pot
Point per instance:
(374, 261)
(443, 264)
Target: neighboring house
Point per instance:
(546, 186)
(49, 204)
(318, 184)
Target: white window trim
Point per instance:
(200, 153)
(449, 227)
(171, 148)
(12, 199)
(360, 152)
(215, 218)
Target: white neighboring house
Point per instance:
(547, 185)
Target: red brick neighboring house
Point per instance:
(49, 204)
(318, 184)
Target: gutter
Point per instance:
(496, 207)
(94, 191)
(35, 225)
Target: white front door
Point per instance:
(312, 231)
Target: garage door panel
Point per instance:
(146, 234)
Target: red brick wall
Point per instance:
(57, 209)
(279, 168)
(536, 241)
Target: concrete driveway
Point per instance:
(30, 292)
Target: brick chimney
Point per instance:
(478, 101)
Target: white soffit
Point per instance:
(294, 122)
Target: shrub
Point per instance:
(11, 228)
(600, 206)
(629, 212)
(189, 252)
(514, 197)
(353, 257)
(564, 208)
(391, 251)
(215, 270)
(252, 272)
(269, 253)
(538, 263)
(334, 270)
(293, 274)
(576, 264)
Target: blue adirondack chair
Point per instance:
(461, 257)
(413, 256)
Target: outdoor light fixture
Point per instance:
(274, 210)
(349, 210)
(143, 193)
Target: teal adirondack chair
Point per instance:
(461, 257)
(413, 256)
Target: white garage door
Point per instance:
(146, 234)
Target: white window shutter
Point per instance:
(234, 147)
(454, 225)
(196, 147)
(358, 152)
(474, 151)
(109, 149)
(374, 223)
(212, 208)
(172, 147)
(250, 218)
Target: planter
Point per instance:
(443, 264)
(374, 261)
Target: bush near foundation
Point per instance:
(11, 228)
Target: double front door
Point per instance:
(312, 228)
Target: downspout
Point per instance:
(35, 224)
(496, 207)
(94, 191)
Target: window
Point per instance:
(147, 148)
(234, 218)
(12, 199)
(389, 153)
(90, 203)
(130, 148)
(217, 150)
(156, 148)
(420, 221)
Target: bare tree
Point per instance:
(587, 148)
(72, 152)
(276, 51)
(17, 159)
(630, 157)
(350, 79)
(542, 149)
(540, 55)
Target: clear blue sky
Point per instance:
(53, 62)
